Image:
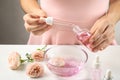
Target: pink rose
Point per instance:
(34, 70)
(14, 60)
(38, 55)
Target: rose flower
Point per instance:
(38, 55)
(14, 60)
(34, 70)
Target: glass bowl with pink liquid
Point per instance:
(66, 60)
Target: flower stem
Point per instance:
(42, 48)
(29, 59)
(23, 60)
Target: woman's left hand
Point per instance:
(102, 34)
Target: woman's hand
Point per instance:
(102, 33)
(34, 24)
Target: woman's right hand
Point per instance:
(34, 24)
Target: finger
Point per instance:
(27, 27)
(39, 32)
(40, 27)
(26, 16)
(103, 44)
(100, 47)
(41, 15)
(30, 28)
(100, 40)
(32, 20)
(96, 31)
(103, 37)
(106, 35)
(34, 15)
(100, 22)
(96, 35)
(96, 42)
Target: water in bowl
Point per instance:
(67, 68)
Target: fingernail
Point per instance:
(101, 49)
(94, 50)
(49, 27)
(91, 41)
(91, 46)
(41, 21)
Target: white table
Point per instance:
(110, 58)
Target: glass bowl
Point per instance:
(65, 60)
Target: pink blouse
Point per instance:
(80, 12)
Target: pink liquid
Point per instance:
(70, 68)
(83, 37)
